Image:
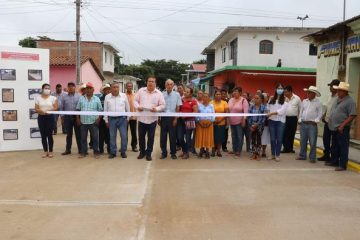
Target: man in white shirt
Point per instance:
(310, 115)
(292, 113)
(117, 102)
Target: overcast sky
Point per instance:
(159, 29)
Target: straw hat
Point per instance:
(82, 86)
(314, 90)
(104, 87)
(343, 86)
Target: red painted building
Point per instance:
(252, 78)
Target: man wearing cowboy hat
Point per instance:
(342, 114)
(90, 123)
(327, 133)
(310, 116)
(104, 136)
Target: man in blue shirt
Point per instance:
(90, 103)
(168, 124)
(69, 103)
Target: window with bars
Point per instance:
(266, 47)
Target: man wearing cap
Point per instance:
(342, 114)
(327, 133)
(148, 99)
(310, 116)
(68, 103)
(104, 135)
(90, 103)
(117, 102)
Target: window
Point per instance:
(105, 57)
(233, 51)
(224, 55)
(111, 59)
(312, 50)
(266, 47)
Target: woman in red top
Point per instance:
(189, 105)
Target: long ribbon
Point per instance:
(153, 114)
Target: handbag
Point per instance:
(190, 124)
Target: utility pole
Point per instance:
(78, 52)
(344, 10)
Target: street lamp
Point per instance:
(302, 19)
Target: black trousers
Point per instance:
(166, 128)
(148, 129)
(133, 124)
(46, 126)
(289, 133)
(224, 144)
(70, 127)
(104, 136)
(327, 138)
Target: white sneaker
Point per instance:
(277, 159)
(271, 158)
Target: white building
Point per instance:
(263, 46)
(248, 57)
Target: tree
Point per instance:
(165, 69)
(201, 61)
(30, 42)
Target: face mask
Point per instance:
(279, 91)
(46, 91)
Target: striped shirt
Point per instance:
(92, 105)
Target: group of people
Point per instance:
(271, 120)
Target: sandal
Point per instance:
(45, 155)
(50, 155)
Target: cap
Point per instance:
(89, 85)
(335, 82)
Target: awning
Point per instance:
(196, 81)
(206, 79)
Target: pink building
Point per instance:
(63, 70)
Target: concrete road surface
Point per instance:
(66, 198)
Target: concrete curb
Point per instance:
(351, 165)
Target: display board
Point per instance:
(22, 72)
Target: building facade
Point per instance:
(339, 58)
(259, 57)
(102, 54)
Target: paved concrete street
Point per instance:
(220, 198)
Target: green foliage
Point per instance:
(201, 61)
(165, 69)
(162, 69)
(30, 42)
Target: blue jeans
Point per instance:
(185, 137)
(340, 147)
(94, 134)
(308, 133)
(118, 124)
(237, 135)
(276, 129)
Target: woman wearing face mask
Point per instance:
(43, 103)
(277, 116)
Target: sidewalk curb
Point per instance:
(351, 165)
